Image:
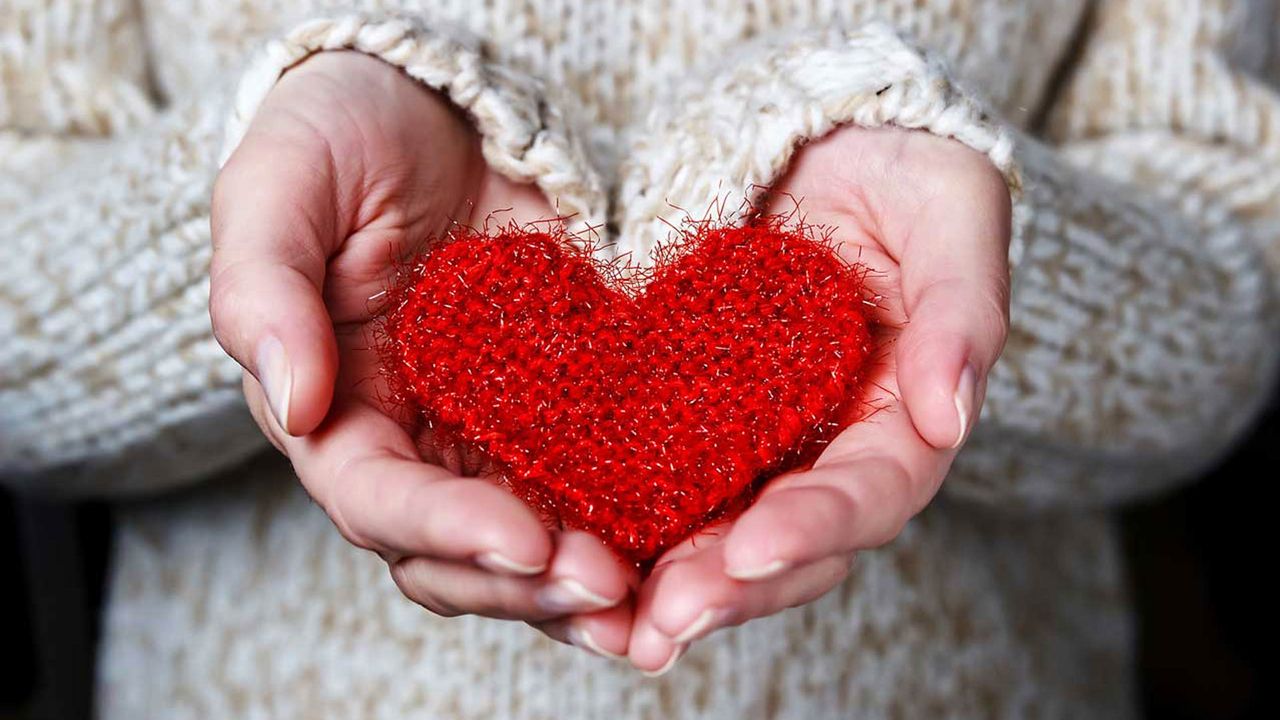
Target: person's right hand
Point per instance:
(349, 166)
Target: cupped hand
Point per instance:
(348, 167)
(931, 219)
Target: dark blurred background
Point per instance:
(1197, 565)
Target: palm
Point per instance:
(880, 425)
(402, 167)
(406, 214)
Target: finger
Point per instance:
(363, 469)
(686, 600)
(833, 510)
(451, 589)
(257, 402)
(870, 481)
(605, 633)
(273, 227)
(585, 576)
(577, 582)
(692, 598)
(650, 651)
(955, 290)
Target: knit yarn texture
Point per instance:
(1140, 140)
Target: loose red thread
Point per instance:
(636, 407)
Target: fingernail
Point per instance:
(759, 572)
(581, 637)
(666, 667)
(966, 400)
(276, 378)
(498, 562)
(708, 620)
(568, 595)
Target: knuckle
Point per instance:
(223, 187)
(229, 289)
(895, 521)
(881, 536)
(903, 490)
(886, 502)
(221, 312)
(405, 578)
(444, 610)
(413, 581)
(836, 509)
(995, 317)
(338, 508)
(895, 526)
(229, 186)
(997, 314)
(347, 530)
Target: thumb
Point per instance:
(272, 234)
(953, 337)
(955, 283)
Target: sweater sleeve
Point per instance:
(72, 67)
(72, 74)
(1144, 333)
(111, 381)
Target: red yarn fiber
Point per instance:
(637, 410)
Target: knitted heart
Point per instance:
(637, 410)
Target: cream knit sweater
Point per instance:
(1141, 141)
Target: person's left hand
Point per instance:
(931, 219)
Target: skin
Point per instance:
(349, 164)
(931, 218)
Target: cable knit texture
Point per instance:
(1140, 138)
(524, 138)
(781, 93)
(72, 66)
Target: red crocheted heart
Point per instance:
(635, 410)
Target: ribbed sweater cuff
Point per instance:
(724, 140)
(524, 135)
